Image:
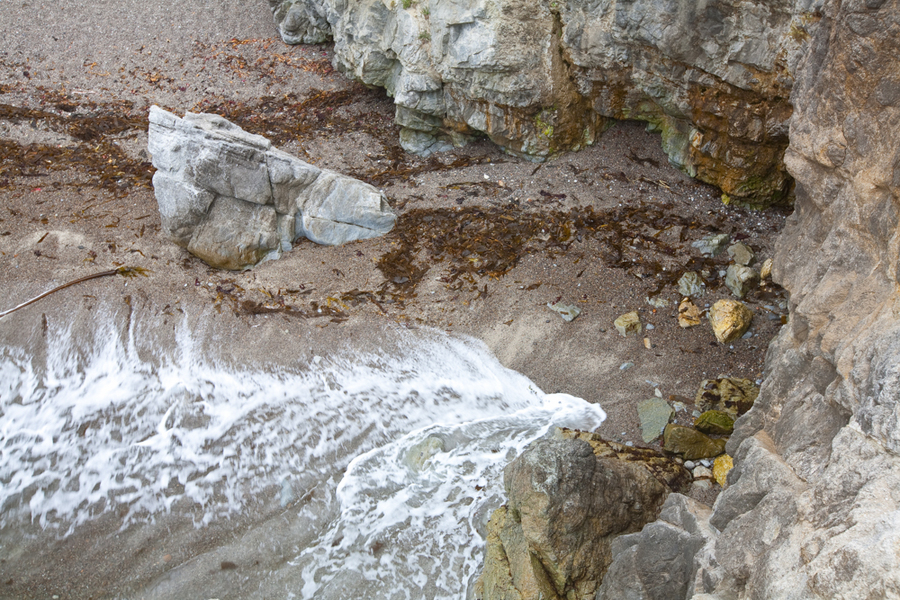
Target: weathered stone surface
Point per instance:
(233, 200)
(691, 285)
(741, 254)
(712, 245)
(570, 494)
(730, 395)
(543, 78)
(765, 271)
(654, 414)
(629, 323)
(688, 314)
(729, 319)
(690, 443)
(658, 563)
(741, 280)
(714, 422)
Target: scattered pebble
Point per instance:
(626, 365)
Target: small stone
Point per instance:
(650, 326)
(740, 280)
(691, 284)
(715, 422)
(702, 485)
(721, 466)
(729, 319)
(729, 395)
(569, 312)
(625, 366)
(689, 465)
(765, 271)
(654, 414)
(688, 314)
(679, 406)
(701, 472)
(658, 302)
(712, 245)
(690, 443)
(741, 254)
(628, 323)
(648, 344)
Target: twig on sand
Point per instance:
(123, 271)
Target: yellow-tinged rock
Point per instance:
(688, 314)
(766, 270)
(730, 319)
(628, 323)
(721, 466)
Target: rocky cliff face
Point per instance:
(813, 510)
(541, 78)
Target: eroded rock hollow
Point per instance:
(542, 78)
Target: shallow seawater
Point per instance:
(359, 474)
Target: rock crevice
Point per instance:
(540, 79)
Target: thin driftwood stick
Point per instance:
(125, 271)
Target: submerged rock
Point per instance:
(690, 443)
(233, 200)
(712, 245)
(729, 319)
(688, 314)
(765, 271)
(569, 312)
(628, 323)
(691, 284)
(741, 254)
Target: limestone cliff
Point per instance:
(812, 509)
(543, 77)
(828, 416)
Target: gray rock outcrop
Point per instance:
(663, 561)
(812, 509)
(541, 78)
(233, 200)
(570, 494)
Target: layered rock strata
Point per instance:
(541, 78)
(233, 200)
